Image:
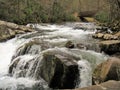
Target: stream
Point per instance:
(56, 37)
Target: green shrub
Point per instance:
(102, 16)
(69, 17)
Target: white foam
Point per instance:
(9, 82)
(85, 71)
(55, 34)
(7, 49)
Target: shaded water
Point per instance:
(56, 36)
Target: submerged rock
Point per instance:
(109, 70)
(9, 30)
(110, 46)
(81, 46)
(69, 44)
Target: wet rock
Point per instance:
(109, 37)
(110, 85)
(20, 65)
(13, 65)
(58, 69)
(108, 70)
(105, 36)
(81, 46)
(33, 47)
(107, 33)
(98, 35)
(116, 55)
(110, 46)
(9, 30)
(88, 46)
(69, 44)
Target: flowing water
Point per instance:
(56, 36)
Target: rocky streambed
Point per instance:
(57, 57)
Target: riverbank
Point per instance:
(9, 30)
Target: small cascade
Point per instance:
(40, 60)
(85, 72)
(17, 81)
(94, 58)
(7, 49)
(22, 64)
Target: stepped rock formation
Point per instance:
(9, 30)
(58, 68)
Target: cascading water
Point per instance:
(7, 50)
(56, 36)
(85, 73)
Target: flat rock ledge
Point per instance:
(9, 30)
(110, 46)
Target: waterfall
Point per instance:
(85, 71)
(7, 50)
(23, 55)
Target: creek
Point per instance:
(52, 38)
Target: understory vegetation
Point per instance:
(34, 11)
(52, 11)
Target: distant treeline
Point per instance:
(35, 11)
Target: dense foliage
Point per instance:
(34, 11)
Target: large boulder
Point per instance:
(110, 46)
(110, 85)
(108, 70)
(57, 67)
(59, 71)
(9, 30)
